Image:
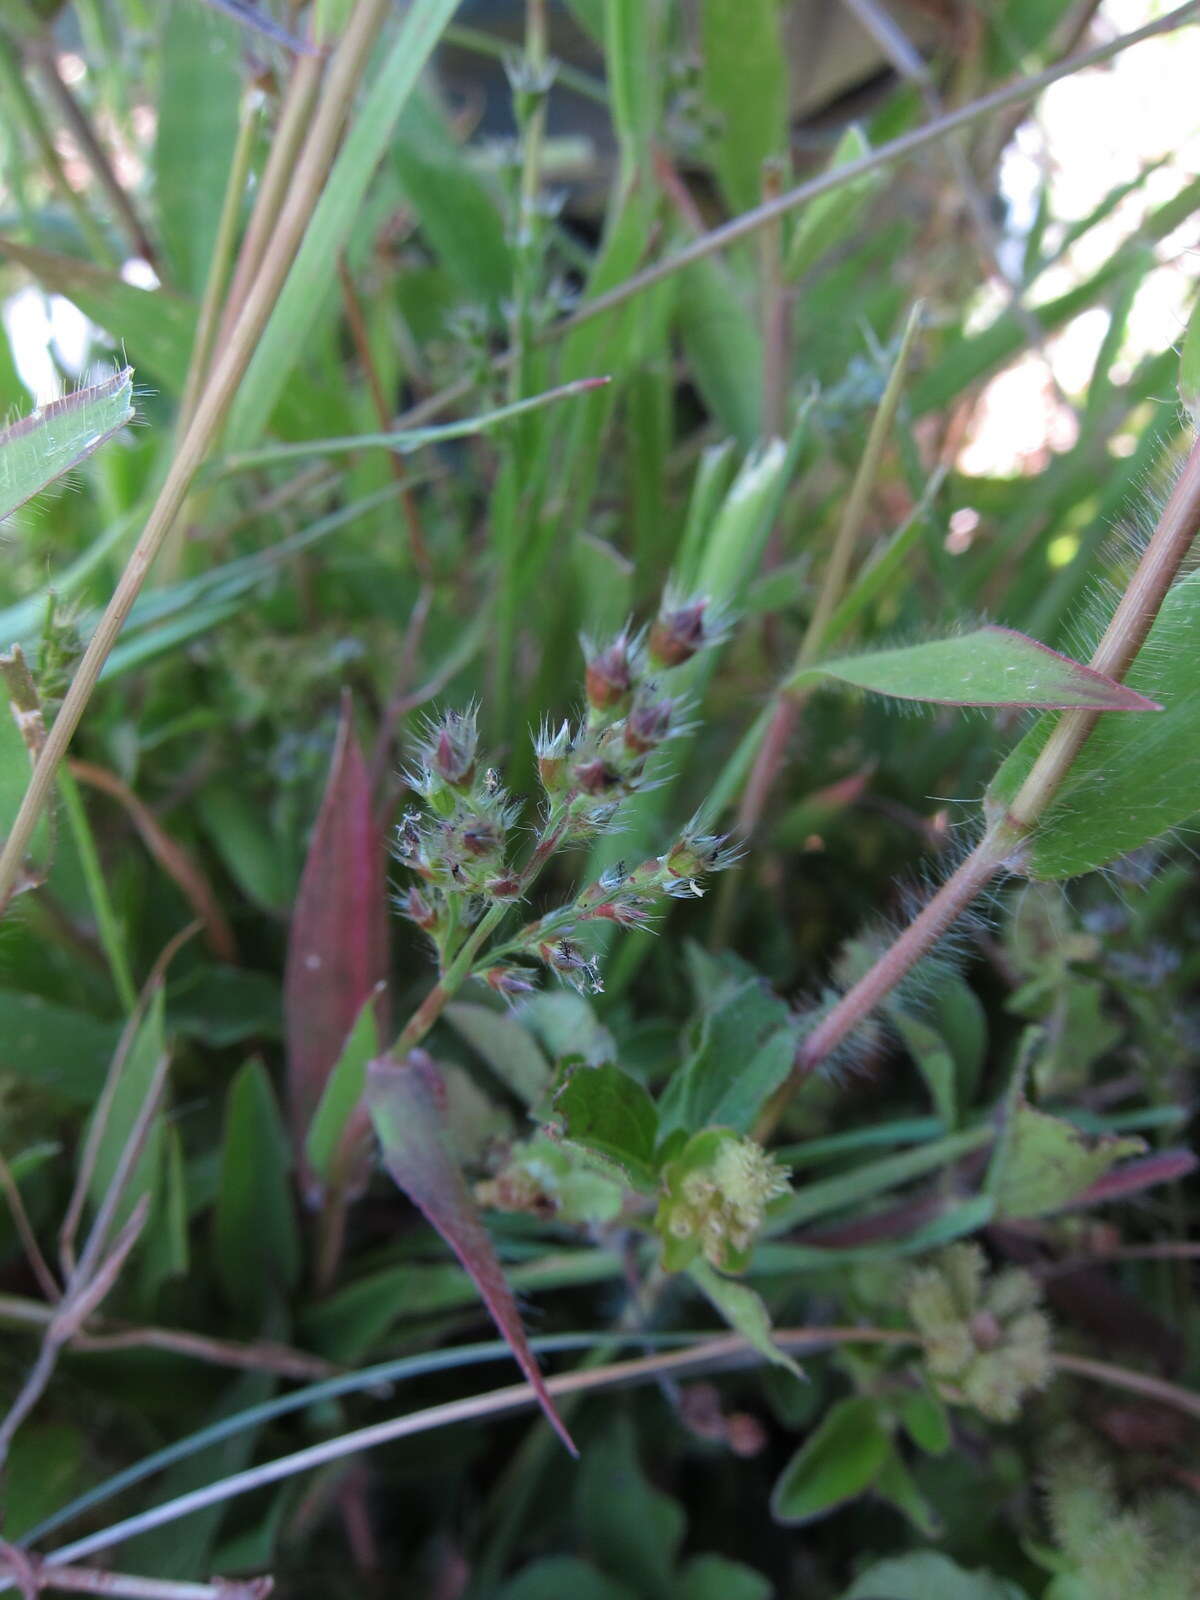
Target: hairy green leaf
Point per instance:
(51, 440)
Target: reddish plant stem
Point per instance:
(1002, 845)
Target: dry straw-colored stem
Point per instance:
(345, 73)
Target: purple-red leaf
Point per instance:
(337, 944)
(407, 1102)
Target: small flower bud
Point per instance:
(552, 750)
(417, 909)
(511, 982)
(647, 725)
(596, 777)
(449, 750)
(505, 887)
(609, 676)
(715, 1197)
(677, 633)
(572, 966)
(481, 836)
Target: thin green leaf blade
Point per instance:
(314, 270)
(989, 666)
(745, 83)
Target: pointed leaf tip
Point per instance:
(407, 1103)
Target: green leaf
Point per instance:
(314, 270)
(343, 1092)
(724, 348)
(453, 209)
(928, 1050)
(43, 1467)
(54, 1049)
(745, 82)
(989, 667)
(506, 1046)
(743, 1051)
(134, 1077)
(925, 1419)
(714, 1578)
(560, 1576)
(629, 1527)
(568, 1027)
(1043, 1163)
(256, 1243)
(837, 1463)
(926, 1575)
(744, 1311)
(606, 1110)
(897, 1485)
(248, 846)
(40, 447)
(831, 218)
(1136, 777)
(197, 128)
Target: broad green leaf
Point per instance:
(567, 1026)
(406, 1100)
(837, 1463)
(928, 1050)
(744, 1311)
(506, 1046)
(744, 1049)
(924, 1418)
(223, 1005)
(899, 1488)
(131, 1086)
(241, 833)
(557, 1577)
(343, 1093)
(43, 1466)
(988, 667)
(314, 270)
(927, 1575)
(831, 218)
(606, 1110)
(56, 437)
(714, 1578)
(745, 83)
(53, 1049)
(1043, 1163)
(629, 1527)
(256, 1243)
(1136, 777)
(197, 128)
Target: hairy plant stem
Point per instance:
(1001, 845)
(345, 74)
(32, 1576)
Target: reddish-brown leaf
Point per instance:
(337, 944)
(407, 1102)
